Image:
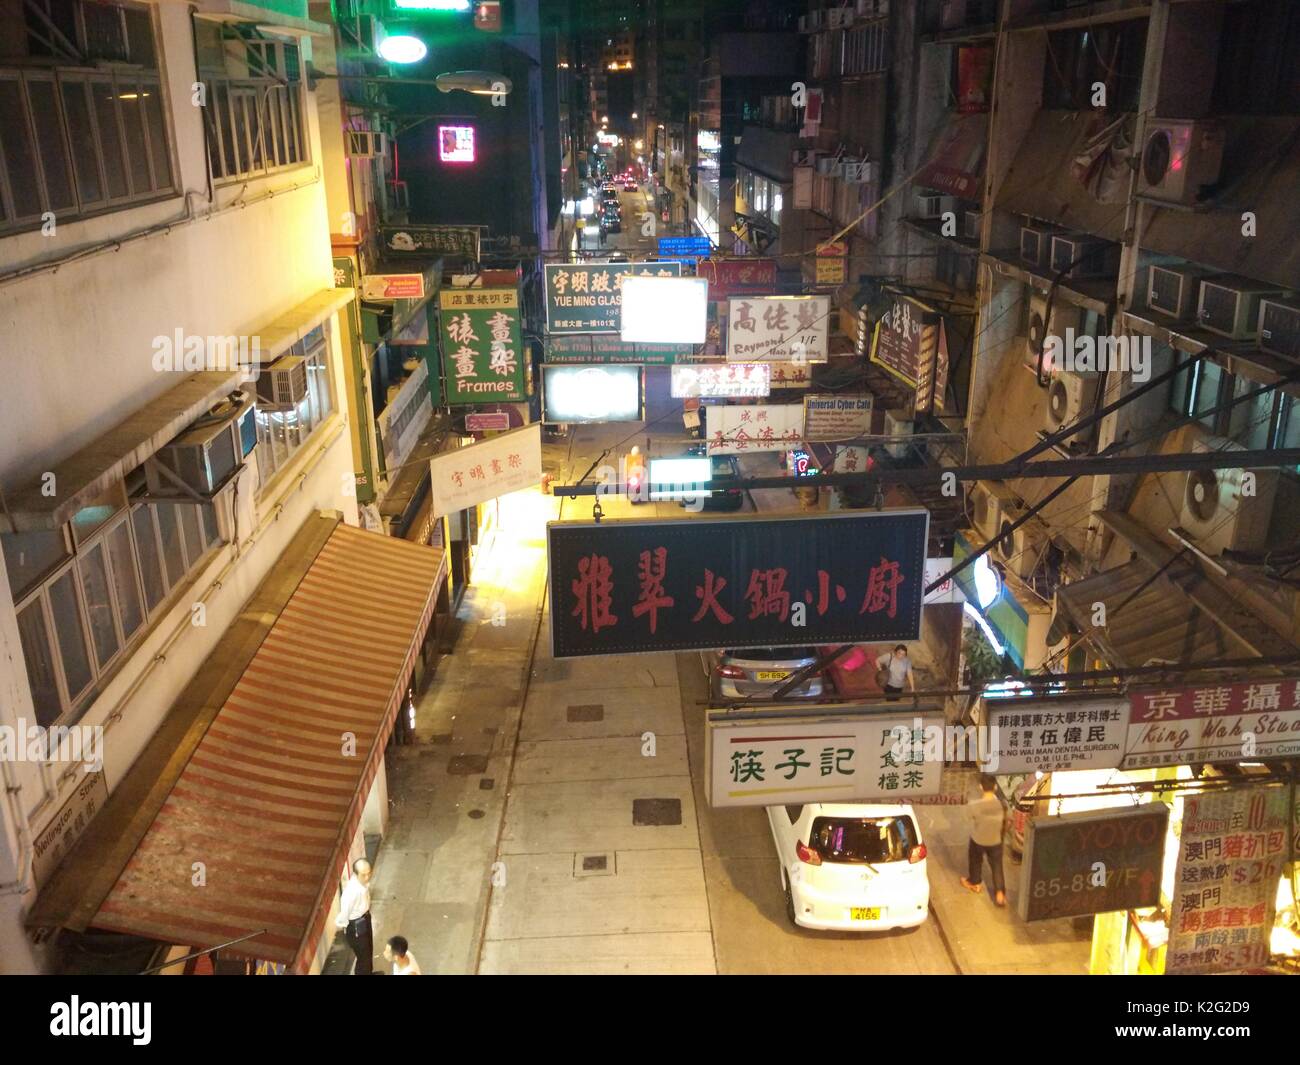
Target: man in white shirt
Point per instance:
(898, 667)
(354, 917)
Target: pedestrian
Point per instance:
(354, 917)
(399, 953)
(988, 821)
(894, 670)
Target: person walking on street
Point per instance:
(988, 821)
(399, 953)
(894, 670)
(354, 917)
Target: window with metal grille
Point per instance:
(83, 127)
(281, 432)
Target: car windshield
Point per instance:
(722, 467)
(862, 839)
(773, 654)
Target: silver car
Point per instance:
(758, 671)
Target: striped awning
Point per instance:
(255, 832)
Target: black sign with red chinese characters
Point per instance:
(620, 587)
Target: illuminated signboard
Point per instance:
(456, 144)
(591, 393)
(665, 310)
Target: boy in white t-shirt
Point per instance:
(399, 953)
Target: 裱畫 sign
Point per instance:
(482, 350)
(587, 297)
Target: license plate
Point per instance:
(772, 674)
(864, 913)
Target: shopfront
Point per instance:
(1013, 620)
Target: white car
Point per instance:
(851, 867)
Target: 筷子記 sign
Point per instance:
(587, 297)
(858, 756)
(827, 419)
(481, 347)
(778, 328)
(1231, 850)
(670, 584)
(1050, 733)
(739, 429)
(471, 475)
(1094, 861)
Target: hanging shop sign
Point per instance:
(830, 418)
(684, 249)
(948, 591)
(472, 475)
(607, 348)
(1231, 851)
(57, 838)
(488, 421)
(664, 310)
(859, 756)
(1095, 861)
(587, 297)
(832, 260)
(1056, 732)
(403, 420)
(591, 393)
(735, 380)
(482, 349)
(392, 286)
(740, 429)
(457, 241)
(778, 328)
(1250, 720)
(619, 587)
(906, 343)
(737, 277)
(790, 375)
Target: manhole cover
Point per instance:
(467, 765)
(476, 814)
(592, 863)
(656, 811)
(587, 712)
(486, 784)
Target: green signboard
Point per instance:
(606, 348)
(482, 350)
(588, 298)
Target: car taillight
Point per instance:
(916, 854)
(806, 854)
(733, 672)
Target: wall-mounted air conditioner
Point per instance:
(283, 384)
(1038, 328)
(1229, 305)
(839, 18)
(1215, 513)
(1018, 550)
(1174, 290)
(1078, 255)
(988, 501)
(856, 171)
(206, 454)
(897, 424)
(1036, 244)
(1070, 396)
(826, 164)
(971, 222)
(366, 144)
(804, 157)
(934, 205)
(1279, 328)
(1179, 158)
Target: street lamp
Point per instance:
(477, 82)
(402, 48)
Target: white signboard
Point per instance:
(404, 419)
(787, 760)
(736, 430)
(665, 310)
(734, 380)
(949, 591)
(778, 329)
(830, 418)
(1052, 733)
(852, 460)
(472, 475)
(57, 838)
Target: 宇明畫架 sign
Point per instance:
(472, 475)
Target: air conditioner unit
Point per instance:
(827, 164)
(1216, 515)
(933, 205)
(897, 425)
(1174, 290)
(856, 171)
(988, 501)
(366, 144)
(206, 455)
(1079, 255)
(1279, 328)
(283, 384)
(804, 157)
(1038, 328)
(1229, 305)
(1018, 550)
(814, 20)
(838, 18)
(1070, 396)
(971, 223)
(1179, 158)
(1036, 244)
(803, 23)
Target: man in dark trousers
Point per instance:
(354, 917)
(988, 820)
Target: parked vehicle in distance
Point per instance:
(611, 223)
(1014, 789)
(756, 672)
(851, 867)
(630, 185)
(725, 498)
(618, 257)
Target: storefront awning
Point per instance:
(269, 796)
(955, 157)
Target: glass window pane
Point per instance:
(53, 148)
(256, 129)
(239, 130)
(295, 127)
(131, 104)
(173, 553)
(318, 379)
(40, 663)
(192, 533)
(72, 641)
(139, 36)
(99, 605)
(85, 159)
(1208, 384)
(155, 584)
(1251, 420)
(211, 533)
(153, 113)
(1180, 389)
(271, 128)
(265, 452)
(31, 555)
(221, 101)
(20, 155)
(122, 559)
(110, 139)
